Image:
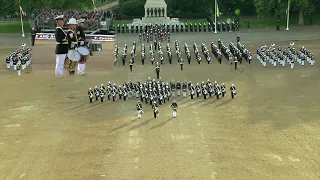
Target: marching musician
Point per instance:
(82, 43)
(73, 43)
(184, 89)
(139, 109)
(62, 45)
(158, 70)
(223, 89)
(155, 109)
(96, 92)
(233, 91)
(131, 64)
(90, 94)
(174, 107)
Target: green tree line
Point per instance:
(180, 8)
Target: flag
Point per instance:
(217, 9)
(21, 10)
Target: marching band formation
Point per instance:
(72, 48)
(157, 92)
(233, 53)
(284, 56)
(182, 27)
(20, 59)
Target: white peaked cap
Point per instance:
(59, 17)
(81, 20)
(72, 21)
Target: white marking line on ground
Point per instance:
(12, 126)
(274, 156)
(22, 175)
(293, 159)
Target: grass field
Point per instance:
(14, 27)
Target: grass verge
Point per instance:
(14, 27)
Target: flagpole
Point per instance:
(22, 28)
(288, 15)
(215, 16)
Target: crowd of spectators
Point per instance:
(46, 17)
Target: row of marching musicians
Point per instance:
(158, 90)
(284, 55)
(156, 33)
(19, 59)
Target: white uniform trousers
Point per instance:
(139, 114)
(292, 65)
(8, 65)
(60, 58)
(174, 114)
(178, 92)
(81, 68)
(184, 93)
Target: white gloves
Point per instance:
(71, 35)
(72, 46)
(81, 43)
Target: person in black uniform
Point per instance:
(33, 35)
(155, 109)
(131, 64)
(158, 70)
(90, 94)
(233, 91)
(174, 107)
(139, 109)
(82, 43)
(238, 38)
(61, 47)
(72, 44)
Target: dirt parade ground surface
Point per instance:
(271, 130)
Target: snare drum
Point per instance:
(70, 65)
(73, 55)
(83, 51)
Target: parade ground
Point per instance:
(271, 130)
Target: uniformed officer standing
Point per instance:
(33, 35)
(62, 45)
(158, 70)
(235, 63)
(131, 64)
(238, 38)
(181, 64)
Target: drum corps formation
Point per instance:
(283, 56)
(157, 92)
(71, 49)
(233, 53)
(20, 59)
(176, 28)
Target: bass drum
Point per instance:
(83, 51)
(73, 55)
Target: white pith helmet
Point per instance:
(72, 21)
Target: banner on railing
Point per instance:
(92, 37)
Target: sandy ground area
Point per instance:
(270, 131)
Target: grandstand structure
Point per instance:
(96, 21)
